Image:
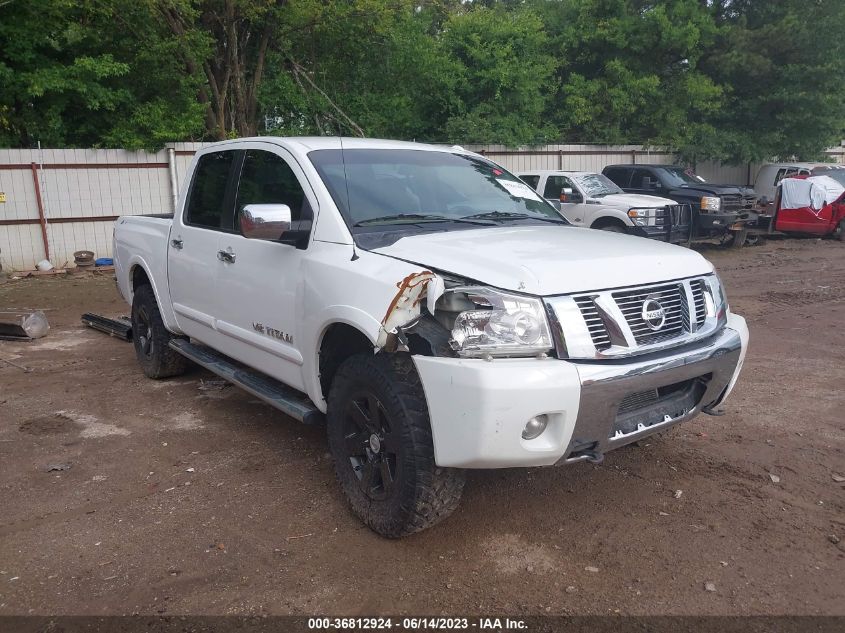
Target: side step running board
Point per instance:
(285, 399)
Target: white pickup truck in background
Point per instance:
(427, 306)
(593, 200)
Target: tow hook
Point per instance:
(594, 457)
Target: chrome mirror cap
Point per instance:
(264, 221)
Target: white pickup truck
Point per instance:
(593, 200)
(427, 306)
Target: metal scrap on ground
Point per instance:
(120, 327)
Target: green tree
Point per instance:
(629, 70)
(54, 76)
(504, 76)
(781, 66)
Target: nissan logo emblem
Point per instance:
(653, 314)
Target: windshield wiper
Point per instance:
(508, 215)
(416, 218)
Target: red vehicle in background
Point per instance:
(813, 205)
(804, 205)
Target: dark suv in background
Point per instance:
(715, 208)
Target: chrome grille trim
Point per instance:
(598, 332)
(610, 323)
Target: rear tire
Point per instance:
(380, 438)
(841, 231)
(151, 339)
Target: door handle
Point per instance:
(226, 256)
(176, 244)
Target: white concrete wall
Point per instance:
(84, 188)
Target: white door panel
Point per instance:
(259, 320)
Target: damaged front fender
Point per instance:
(404, 308)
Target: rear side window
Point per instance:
(266, 178)
(531, 181)
(207, 201)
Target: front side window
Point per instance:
(555, 186)
(207, 201)
(266, 178)
(379, 187)
(640, 177)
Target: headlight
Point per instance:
(711, 203)
(496, 323)
(715, 300)
(641, 217)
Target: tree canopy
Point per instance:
(735, 80)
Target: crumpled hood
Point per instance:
(548, 260)
(631, 200)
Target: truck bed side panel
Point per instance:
(142, 241)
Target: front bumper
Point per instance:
(675, 234)
(710, 224)
(479, 408)
(672, 224)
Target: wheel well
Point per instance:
(608, 221)
(139, 278)
(339, 343)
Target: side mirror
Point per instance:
(264, 221)
(565, 193)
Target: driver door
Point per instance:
(564, 194)
(260, 283)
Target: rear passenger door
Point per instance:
(260, 284)
(192, 261)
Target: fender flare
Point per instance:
(323, 320)
(615, 213)
(164, 305)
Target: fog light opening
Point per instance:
(535, 427)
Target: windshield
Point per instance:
(678, 176)
(837, 174)
(596, 185)
(399, 186)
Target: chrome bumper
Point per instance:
(699, 377)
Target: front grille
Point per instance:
(683, 303)
(638, 400)
(655, 406)
(673, 300)
(749, 201)
(731, 202)
(697, 286)
(598, 331)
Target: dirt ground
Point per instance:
(180, 499)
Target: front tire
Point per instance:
(151, 339)
(380, 438)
